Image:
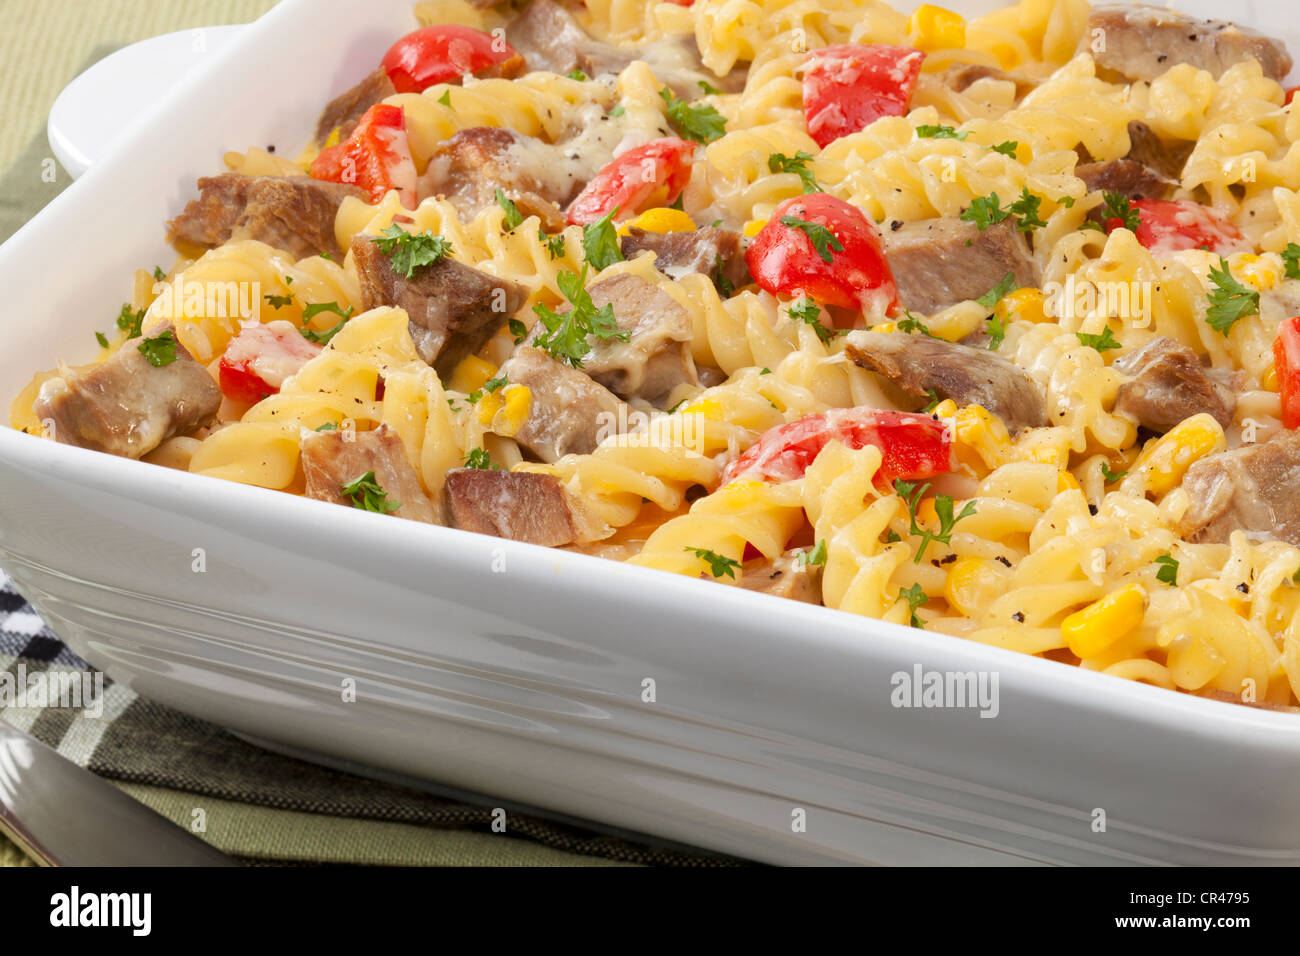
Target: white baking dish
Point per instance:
(527, 683)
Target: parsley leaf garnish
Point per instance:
(445, 99)
(480, 459)
(1066, 201)
(1026, 208)
(1111, 476)
(600, 241)
(1118, 207)
(910, 323)
(939, 132)
(577, 75)
(617, 111)
(708, 88)
(102, 339)
(159, 350)
(513, 216)
(1229, 300)
(1103, 342)
(915, 597)
(1168, 572)
(518, 330)
(316, 308)
(1291, 260)
(807, 311)
(703, 124)
(409, 251)
(797, 164)
(985, 211)
(490, 386)
(943, 508)
(327, 427)
(1007, 148)
(997, 329)
(279, 301)
(158, 273)
(554, 244)
(718, 564)
(566, 335)
(130, 321)
(367, 495)
(823, 239)
(991, 298)
(933, 402)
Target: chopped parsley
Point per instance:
(992, 297)
(939, 132)
(1111, 476)
(102, 339)
(566, 335)
(617, 111)
(490, 386)
(1229, 300)
(1291, 260)
(797, 164)
(823, 239)
(513, 216)
(915, 597)
(1118, 207)
(1168, 572)
(480, 459)
(985, 211)
(600, 241)
(718, 564)
(910, 323)
(131, 321)
(316, 308)
(997, 330)
(1066, 201)
(1026, 210)
(279, 301)
(703, 124)
(1103, 342)
(816, 556)
(708, 88)
(1007, 148)
(807, 311)
(943, 508)
(518, 330)
(158, 273)
(327, 427)
(933, 402)
(159, 350)
(577, 75)
(409, 251)
(367, 495)
(445, 99)
(554, 244)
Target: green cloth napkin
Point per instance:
(259, 807)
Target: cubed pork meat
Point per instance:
(1166, 384)
(785, 577)
(919, 365)
(126, 405)
(342, 113)
(570, 413)
(656, 358)
(940, 262)
(716, 253)
(469, 167)
(1147, 148)
(520, 506)
(961, 76)
(334, 459)
(1251, 488)
(454, 308)
(1142, 41)
(294, 213)
(1129, 178)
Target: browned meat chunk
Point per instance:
(1147, 148)
(570, 413)
(126, 406)
(785, 577)
(550, 39)
(293, 213)
(919, 364)
(1252, 488)
(716, 253)
(343, 113)
(1126, 177)
(469, 168)
(1168, 384)
(656, 357)
(519, 505)
(1141, 42)
(960, 76)
(454, 308)
(331, 460)
(940, 262)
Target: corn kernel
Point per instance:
(1090, 631)
(946, 409)
(1269, 379)
(488, 406)
(471, 373)
(1066, 482)
(1025, 303)
(983, 433)
(661, 219)
(934, 28)
(333, 138)
(1258, 271)
(1167, 459)
(753, 227)
(518, 403)
(970, 584)
(885, 327)
(708, 407)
